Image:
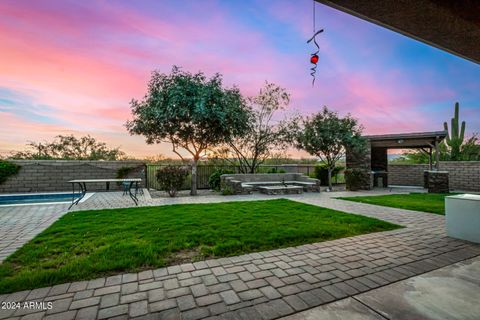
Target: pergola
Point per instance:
(374, 160)
(425, 141)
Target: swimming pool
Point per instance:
(37, 198)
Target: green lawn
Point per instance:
(426, 202)
(89, 244)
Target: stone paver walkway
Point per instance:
(264, 285)
(20, 224)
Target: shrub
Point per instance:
(7, 169)
(171, 179)
(214, 179)
(227, 190)
(355, 179)
(122, 173)
(321, 173)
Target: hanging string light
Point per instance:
(314, 56)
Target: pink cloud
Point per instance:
(87, 61)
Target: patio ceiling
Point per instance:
(453, 26)
(407, 140)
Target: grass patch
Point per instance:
(88, 244)
(426, 202)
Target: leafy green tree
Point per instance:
(327, 136)
(189, 111)
(471, 149)
(456, 135)
(420, 156)
(265, 136)
(70, 147)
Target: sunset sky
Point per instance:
(73, 66)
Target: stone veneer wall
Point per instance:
(406, 174)
(53, 175)
(361, 162)
(463, 175)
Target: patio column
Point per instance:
(437, 155)
(430, 160)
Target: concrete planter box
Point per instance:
(463, 217)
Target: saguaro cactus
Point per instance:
(455, 137)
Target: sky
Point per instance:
(72, 67)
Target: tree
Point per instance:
(70, 148)
(471, 149)
(189, 111)
(420, 156)
(456, 135)
(265, 136)
(327, 136)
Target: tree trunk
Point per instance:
(193, 189)
(330, 178)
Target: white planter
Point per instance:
(463, 217)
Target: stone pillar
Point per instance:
(425, 178)
(438, 182)
(361, 162)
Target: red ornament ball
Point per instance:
(314, 59)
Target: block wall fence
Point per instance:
(53, 175)
(463, 175)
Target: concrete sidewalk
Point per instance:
(451, 292)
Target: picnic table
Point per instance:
(82, 183)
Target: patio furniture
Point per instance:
(277, 182)
(127, 183)
(463, 217)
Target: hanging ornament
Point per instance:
(314, 56)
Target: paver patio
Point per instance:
(20, 224)
(264, 285)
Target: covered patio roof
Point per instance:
(453, 26)
(407, 140)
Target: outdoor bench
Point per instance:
(269, 183)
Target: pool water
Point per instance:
(36, 198)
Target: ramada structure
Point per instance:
(374, 162)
